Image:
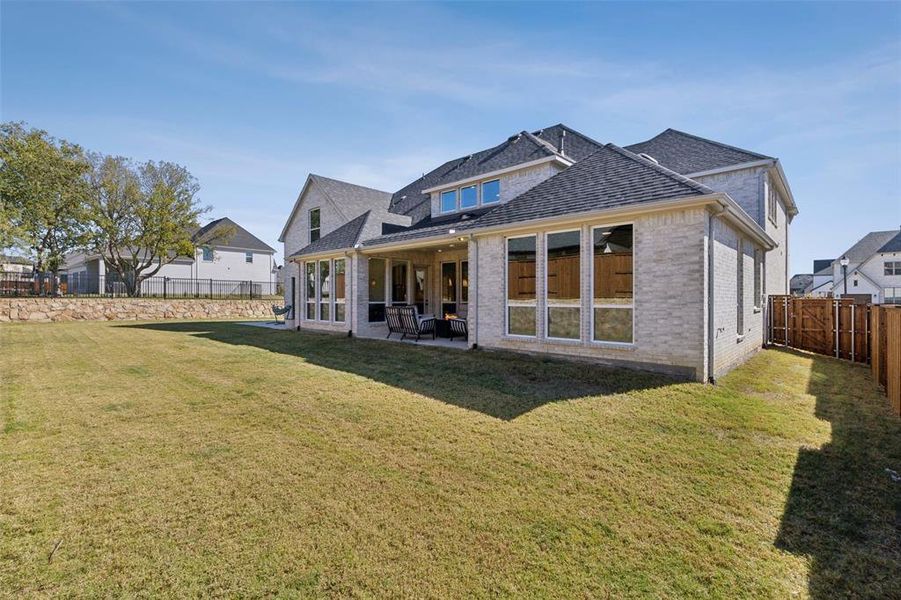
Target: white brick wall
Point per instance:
(670, 305)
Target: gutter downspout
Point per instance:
(474, 291)
(711, 325)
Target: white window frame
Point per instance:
(248, 255)
(456, 207)
(475, 186)
(507, 285)
(772, 203)
(386, 282)
(389, 284)
(335, 300)
(895, 268)
(591, 303)
(578, 303)
(306, 295)
(203, 251)
(331, 285)
(311, 228)
(481, 193)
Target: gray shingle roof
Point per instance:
(342, 238)
(429, 227)
(609, 178)
(341, 191)
(685, 153)
(799, 283)
(893, 245)
(520, 148)
(822, 265)
(868, 245)
(240, 239)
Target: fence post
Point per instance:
(836, 306)
(165, 286)
(853, 339)
(211, 287)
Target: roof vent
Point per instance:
(649, 157)
(562, 139)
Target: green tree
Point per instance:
(143, 216)
(43, 195)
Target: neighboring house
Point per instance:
(240, 256)
(657, 255)
(821, 285)
(874, 268)
(15, 264)
(800, 283)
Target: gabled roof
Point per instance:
(685, 153)
(893, 245)
(517, 149)
(343, 238)
(800, 282)
(822, 266)
(609, 178)
(339, 192)
(869, 245)
(240, 238)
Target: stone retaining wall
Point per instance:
(128, 309)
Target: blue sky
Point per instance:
(252, 97)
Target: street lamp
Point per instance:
(844, 263)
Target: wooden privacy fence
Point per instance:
(861, 333)
(831, 326)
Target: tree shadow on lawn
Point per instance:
(503, 385)
(843, 509)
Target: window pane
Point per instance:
(612, 250)
(376, 280)
(325, 290)
(419, 283)
(339, 312)
(469, 196)
(521, 268)
(323, 311)
(207, 254)
(491, 191)
(564, 322)
(563, 274)
(248, 257)
(399, 283)
(521, 320)
(314, 218)
(464, 281)
(340, 281)
(449, 201)
(449, 288)
(311, 311)
(310, 281)
(613, 324)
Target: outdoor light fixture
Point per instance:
(452, 231)
(844, 263)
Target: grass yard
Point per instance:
(218, 459)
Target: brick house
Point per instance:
(657, 255)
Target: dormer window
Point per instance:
(469, 196)
(449, 201)
(491, 191)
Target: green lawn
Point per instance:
(219, 459)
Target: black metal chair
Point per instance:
(458, 328)
(406, 320)
(280, 312)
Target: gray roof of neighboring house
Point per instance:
(14, 260)
(517, 149)
(609, 178)
(822, 265)
(685, 153)
(869, 245)
(340, 239)
(893, 245)
(240, 239)
(799, 283)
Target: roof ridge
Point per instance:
(700, 187)
(341, 181)
(714, 142)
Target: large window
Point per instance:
(340, 289)
(314, 225)
(398, 282)
(310, 288)
(740, 289)
(563, 284)
(892, 295)
(420, 288)
(612, 297)
(521, 273)
(469, 196)
(893, 267)
(449, 201)
(449, 288)
(491, 191)
(464, 283)
(772, 202)
(376, 290)
(325, 290)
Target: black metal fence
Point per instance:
(87, 285)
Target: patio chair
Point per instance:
(280, 312)
(406, 320)
(457, 328)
